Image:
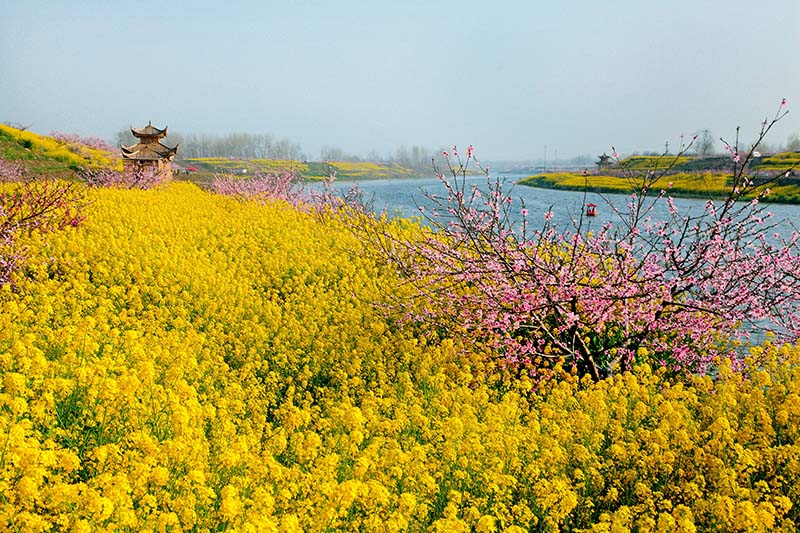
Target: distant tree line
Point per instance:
(237, 145)
(265, 146)
(793, 143)
(417, 158)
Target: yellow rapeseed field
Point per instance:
(184, 361)
(364, 169)
(652, 162)
(227, 165)
(702, 184)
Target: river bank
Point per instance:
(699, 185)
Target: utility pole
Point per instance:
(545, 158)
(666, 148)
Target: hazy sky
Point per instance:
(507, 76)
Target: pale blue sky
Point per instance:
(506, 76)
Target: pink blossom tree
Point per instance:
(26, 205)
(285, 185)
(73, 139)
(288, 186)
(141, 178)
(677, 292)
(344, 204)
(11, 171)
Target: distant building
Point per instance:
(603, 161)
(149, 154)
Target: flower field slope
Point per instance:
(57, 153)
(184, 361)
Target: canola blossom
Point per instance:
(183, 361)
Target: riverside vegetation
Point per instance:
(208, 166)
(256, 360)
(681, 175)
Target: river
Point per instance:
(403, 197)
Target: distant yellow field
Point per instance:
(224, 164)
(695, 184)
(781, 161)
(652, 162)
(309, 170)
(366, 169)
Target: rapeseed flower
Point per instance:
(184, 361)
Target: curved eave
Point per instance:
(165, 151)
(149, 152)
(128, 152)
(149, 131)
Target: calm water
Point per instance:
(402, 197)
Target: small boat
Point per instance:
(591, 210)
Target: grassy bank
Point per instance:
(311, 170)
(649, 162)
(692, 185)
(717, 163)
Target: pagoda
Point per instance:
(603, 161)
(148, 154)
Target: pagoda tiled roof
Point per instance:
(149, 131)
(148, 151)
